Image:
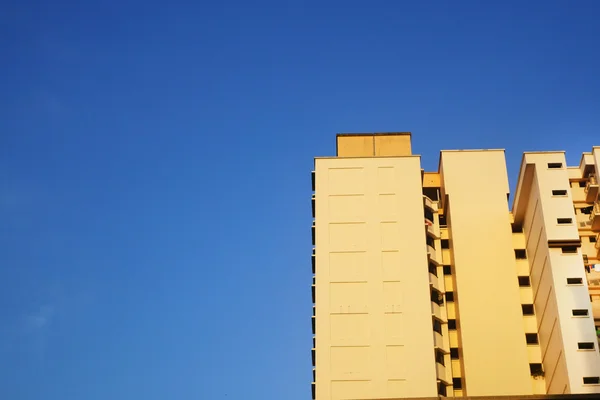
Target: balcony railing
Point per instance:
(591, 188)
(595, 216)
(433, 256)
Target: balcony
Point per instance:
(597, 245)
(438, 342)
(595, 216)
(433, 256)
(433, 281)
(430, 203)
(436, 311)
(442, 374)
(591, 189)
(593, 277)
(432, 229)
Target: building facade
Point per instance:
(428, 283)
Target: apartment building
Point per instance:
(431, 283)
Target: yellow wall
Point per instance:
(537, 209)
(374, 145)
(492, 339)
(374, 336)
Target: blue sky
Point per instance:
(155, 167)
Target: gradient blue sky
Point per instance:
(155, 167)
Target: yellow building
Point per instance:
(427, 283)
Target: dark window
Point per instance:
(591, 380)
(313, 207)
(428, 214)
(554, 165)
(439, 357)
(430, 241)
(314, 262)
(447, 270)
(431, 192)
(452, 324)
(454, 353)
(536, 369)
(527, 309)
(564, 220)
(437, 326)
(313, 235)
(445, 244)
(442, 220)
(313, 180)
(437, 297)
(521, 254)
(592, 239)
(442, 389)
(580, 312)
(524, 281)
(531, 338)
(559, 192)
(582, 184)
(569, 249)
(457, 383)
(574, 281)
(517, 228)
(586, 210)
(432, 269)
(585, 345)
(449, 296)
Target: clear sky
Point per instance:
(155, 164)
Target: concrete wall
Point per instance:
(374, 145)
(374, 335)
(538, 209)
(487, 297)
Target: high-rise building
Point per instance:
(435, 283)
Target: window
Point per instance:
(452, 324)
(524, 281)
(442, 389)
(536, 369)
(580, 312)
(445, 244)
(432, 269)
(313, 235)
(449, 296)
(586, 210)
(585, 345)
(592, 239)
(582, 184)
(439, 357)
(559, 192)
(569, 249)
(554, 165)
(521, 254)
(313, 180)
(591, 380)
(442, 220)
(447, 270)
(437, 326)
(457, 383)
(531, 338)
(574, 281)
(428, 214)
(454, 353)
(517, 228)
(527, 309)
(430, 241)
(313, 206)
(564, 220)
(437, 297)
